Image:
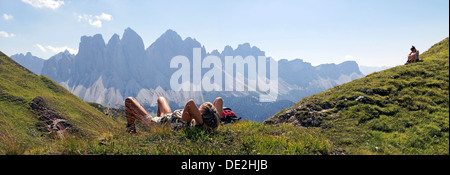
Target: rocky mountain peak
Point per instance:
(349, 67)
(66, 54)
(91, 43)
(170, 34)
(132, 40)
(114, 40)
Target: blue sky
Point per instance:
(371, 32)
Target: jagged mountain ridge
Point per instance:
(107, 73)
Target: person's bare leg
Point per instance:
(163, 107)
(134, 111)
(411, 58)
(218, 104)
(191, 112)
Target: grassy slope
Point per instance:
(18, 130)
(242, 138)
(404, 110)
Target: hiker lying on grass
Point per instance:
(206, 116)
(413, 56)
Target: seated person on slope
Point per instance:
(413, 56)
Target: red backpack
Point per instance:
(228, 116)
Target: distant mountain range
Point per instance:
(107, 73)
(29, 61)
